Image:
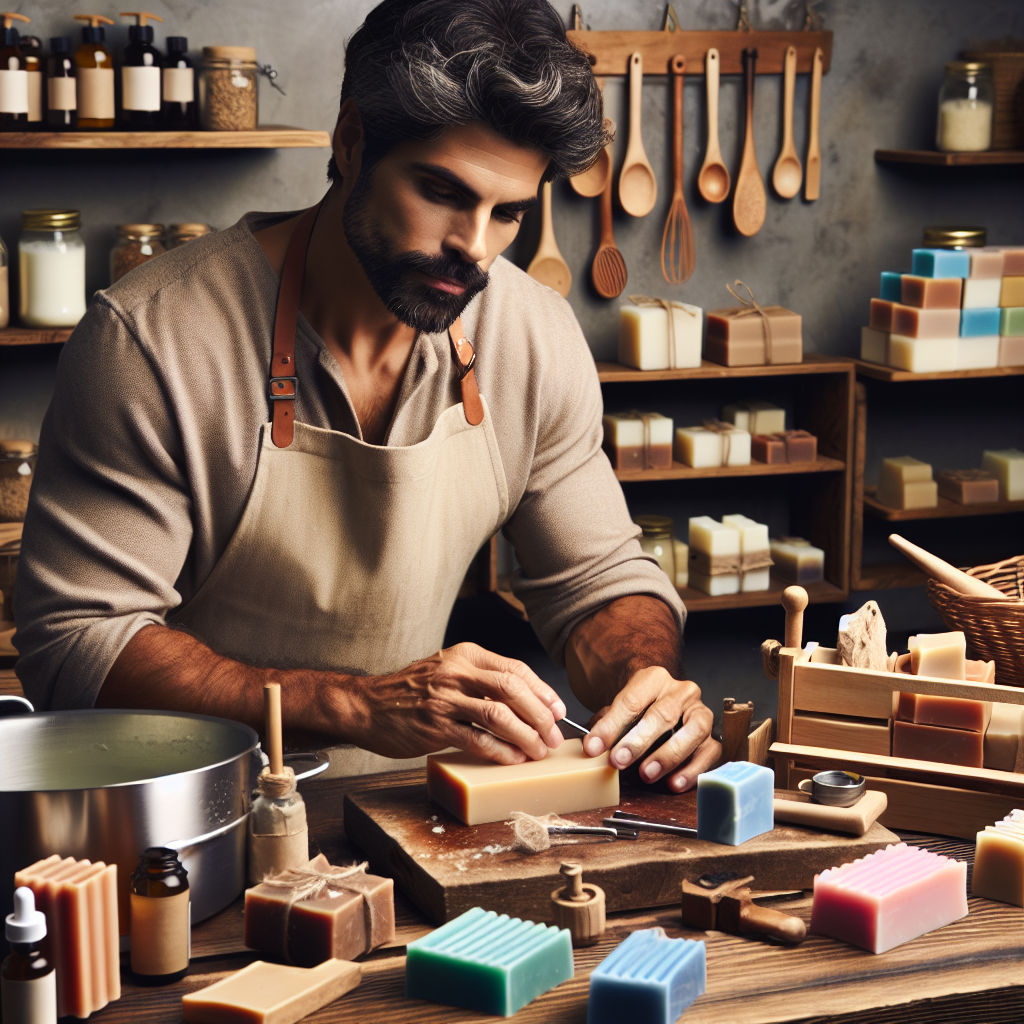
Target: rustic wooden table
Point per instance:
(971, 971)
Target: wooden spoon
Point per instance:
(812, 186)
(788, 172)
(748, 201)
(608, 271)
(591, 182)
(713, 182)
(547, 266)
(677, 256)
(638, 188)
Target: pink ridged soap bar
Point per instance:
(889, 897)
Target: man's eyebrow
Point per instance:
(452, 179)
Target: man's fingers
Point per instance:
(661, 716)
(629, 705)
(512, 693)
(674, 751)
(706, 756)
(484, 744)
(501, 721)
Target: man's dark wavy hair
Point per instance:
(418, 67)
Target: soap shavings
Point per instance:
(531, 833)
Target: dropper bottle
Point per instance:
(140, 74)
(13, 77)
(28, 983)
(95, 73)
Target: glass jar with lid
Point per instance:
(51, 266)
(179, 234)
(136, 244)
(657, 542)
(228, 93)
(966, 101)
(17, 466)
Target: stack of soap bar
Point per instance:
(986, 264)
(1011, 336)
(755, 552)
(981, 293)
(1003, 737)
(79, 899)
(768, 448)
(926, 324)
(978, 347)
(941, 263)
(968, 486)
(638, 440)
(265, 993)
(889, 897)
(999, 861)
(881, 314)
(891, 287)
(796, 560)
(475, 790)
(715, 444)
(647, 979)
(714, 557)
(489, 963)
(939, 654)
(787, 446)
(735, 803)
(737, 337)
(1007, 467)
(343, 919)
(756, 417)
(1012, 291)
(905, 482)
(923, 355)
(644, 340)
(978, 322)
(930, 292)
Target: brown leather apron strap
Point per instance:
(464, 356)
(284, 385)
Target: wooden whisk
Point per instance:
(677, 253)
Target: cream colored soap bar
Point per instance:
(905, 482)
(1007, 466)
(922, 355)
(1003, 737)
(981, 293)
(644, 341)
(939, 654)
(756, 417)
(265, 993)
(715, 585)
(999, 861)
(874, 345)
(755, 548)
(702, 448)
(714, 539)
(476, 791)
(797, 560)
(682, 553)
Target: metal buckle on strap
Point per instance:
(277, 382)
(462, 368)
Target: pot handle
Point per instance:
(322, 763)
(11, 704)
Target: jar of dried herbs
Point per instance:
(17, 465)
(228, 78)
(136, 244)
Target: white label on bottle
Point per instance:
(61, 94)
(35, 95)
(96, 93)
(30, 1000)
(178, 85)
(13, 91)
(140, 88)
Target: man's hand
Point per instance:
(659, 702)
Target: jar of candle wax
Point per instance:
(966, 100)
(657, 542)
(51, 265)
(160, 917)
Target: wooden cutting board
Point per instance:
(447, 867)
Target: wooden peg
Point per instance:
(735, 729)
(272, 724)
(794, 600)
(579, 906)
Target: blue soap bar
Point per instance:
(647, 979)
(976, 323)
(735, 803)
(488, 962)
(941, 263)
(892, 286)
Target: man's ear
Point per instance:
(349, 140)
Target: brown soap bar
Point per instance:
(925, 323)
(968, 486)
(333, 922)
(770, 448)
(800, 446)
(934, 743)
(931, 292)
(736, 337)
(881, 315)
(948, 712)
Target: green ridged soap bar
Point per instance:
(488, 962)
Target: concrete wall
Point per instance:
(821, 258)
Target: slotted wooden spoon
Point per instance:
(812, 185)
(547, 266)
(749, 201)
(788, 171)
(713, 182)
(591, 182)
(608, 271)
(638, 188)
(677, 254)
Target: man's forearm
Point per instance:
(616, 641)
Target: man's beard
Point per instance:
(392, 275)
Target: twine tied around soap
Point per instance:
(726, 430)
(668, 305)
(750, 306)
(646, 418)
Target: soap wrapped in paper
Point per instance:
(753, 335)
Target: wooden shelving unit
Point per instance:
(34, 335)
(271, 136)
(616, 373)
(933, 158)
(887, 373)
(945, 509)
(683, 472)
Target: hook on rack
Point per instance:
(671, 23)
(812, 19)
(742, 17)
(576, 17)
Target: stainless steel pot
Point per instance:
(106, 785)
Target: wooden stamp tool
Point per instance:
(728, 907)
(579, 907)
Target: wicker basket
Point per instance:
(995, 629)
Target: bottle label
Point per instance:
(140, 88)
(178, 85)
(160, 933)
(61, 94)
(35, 96)
(13, 91)
(96, 93)
(33, 1001)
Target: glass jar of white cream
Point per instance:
(966, 100)
(51, 268)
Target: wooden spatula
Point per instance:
(547, 265)
(749, 202)
(638, 188)
(677, 254)
(608, 271)
(812, 184)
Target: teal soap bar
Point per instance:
(1011, 321)
(647, 979)
(488, 962)
(941, 263)
(735, 803)
(978, 323)
(892, 286)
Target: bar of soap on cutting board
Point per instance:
(999, 861)
(477, 791)
(889, 897)
(265, 993)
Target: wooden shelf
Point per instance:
(681, 472)
(945, 509)
(932, 158)
(891, 375)
(888, 576)
(616, 373)
(271, 136)
(817, 593)
(34, 335)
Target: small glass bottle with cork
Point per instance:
(161, 917)
(94, 69)
(13, 76)
(61, 87)
(28, 982)
(966, 101)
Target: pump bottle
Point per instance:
(28, 983)
(32, 51)
(140, 75)
(95, 73)
(13, 77)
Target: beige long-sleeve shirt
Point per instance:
(149, 448)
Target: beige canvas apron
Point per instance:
(349, 556)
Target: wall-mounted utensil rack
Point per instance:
(610, 51)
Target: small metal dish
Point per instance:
(834, 788)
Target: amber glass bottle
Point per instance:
(95, 73)
(13, 77)
(28, 984)
(160, 917)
